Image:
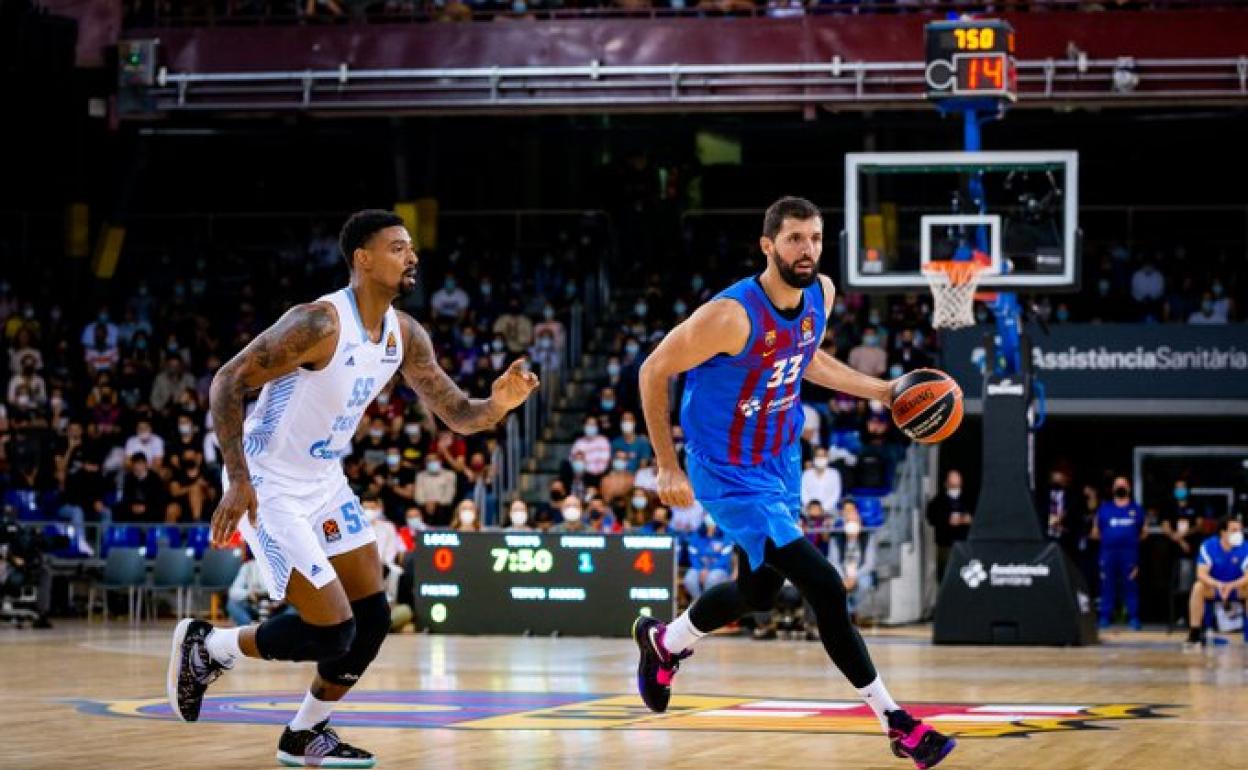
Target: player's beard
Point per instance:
(789, 275)
(405, 288)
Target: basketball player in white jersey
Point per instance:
(320, 366)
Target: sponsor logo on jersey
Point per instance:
(331, 531)
(392, 349)
(494, 710)
(322, 451)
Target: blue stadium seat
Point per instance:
(120, 536)
(26, 502)
(849, 440)
(167, 536)
(872, 511)
(198, 539)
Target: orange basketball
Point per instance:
(927, 405)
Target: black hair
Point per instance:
(787, 207)
(1225, 522)
(361, 226)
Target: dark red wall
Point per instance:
(686, 41)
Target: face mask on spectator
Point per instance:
(449, 283)
(954, 492)
(613, 369)
(696, 283)
(415, 524)
(376, 432)
(873, 318)
(469, 340)
(839, 308)
(383, 398)
(1062, 314)
(680, 307)
(632, 348)
(1236, 539)
(1182, 526)
(821, 462)
(433, 466)
(1102, 286)
(571, 514)
(371, 513)
(24, 402)
(852, 528)
(545, 343)
(185, 428)
(578, 466)
(486, 289)
(608, 403)
(639, 501)
(412, 431)
(467, 516)
(870, 340)
(519, 516)
(628, 426)
(496, 345)
(591, 429)
(1217, 289)
(895, 371)
(102, 317)
(640, 309)
(393, 460)
(619, 465)
(1180, 493)
(548, 313)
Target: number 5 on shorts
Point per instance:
(351, 514)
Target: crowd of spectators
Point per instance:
(105, 418)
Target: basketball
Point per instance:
(927, 405)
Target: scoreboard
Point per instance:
(970, 58)
(530, 583)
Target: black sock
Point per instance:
(1193, 635)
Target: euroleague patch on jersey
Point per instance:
(808, 330)
(331, 531)
(578, 711)
(769, 339)
(392, 348)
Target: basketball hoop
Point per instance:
(953, 285)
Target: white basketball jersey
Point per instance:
(303, 422)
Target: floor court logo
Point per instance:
(580, 711)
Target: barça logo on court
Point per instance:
(332, 533)
(578, 711)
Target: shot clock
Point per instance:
(969, 59)
(529, 583)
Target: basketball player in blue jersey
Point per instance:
(319, 368)
(746, 352)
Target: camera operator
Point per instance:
(22, 564)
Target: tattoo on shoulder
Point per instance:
(300, 329)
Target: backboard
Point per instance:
(1014, 212)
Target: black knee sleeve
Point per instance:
(372, 623)
(288, 637)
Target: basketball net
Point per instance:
(953, 290)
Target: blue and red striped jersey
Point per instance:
(745, 408)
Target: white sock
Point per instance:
(877, 697)
(680, 634)
(312, 712)
(222, 644)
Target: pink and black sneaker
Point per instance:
(657, 666)
(912, 739)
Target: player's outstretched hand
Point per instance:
(514, 385)
(240, 498)
(674, 488)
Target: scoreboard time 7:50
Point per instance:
(530, 583)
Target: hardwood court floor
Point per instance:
(477, 703)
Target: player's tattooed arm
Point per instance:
(305, 335)
(439, 392)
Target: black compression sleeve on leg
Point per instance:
(752, 591)
(821, 586)
(288, 637)
(372, 621)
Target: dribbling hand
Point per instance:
(240, 498)
(674, 488)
